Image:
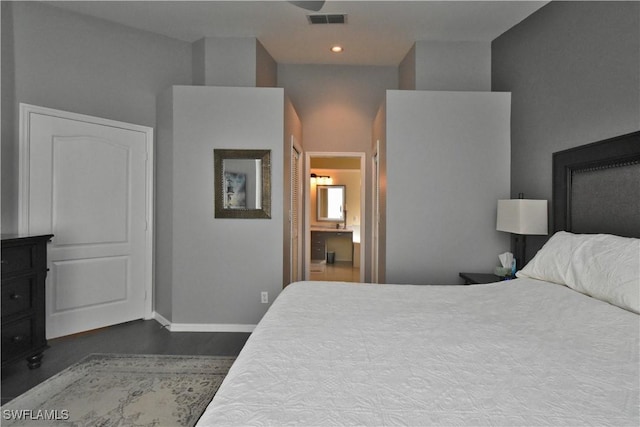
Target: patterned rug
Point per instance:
(122, 390)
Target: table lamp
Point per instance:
(522, 217)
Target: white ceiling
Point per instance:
(376, 33)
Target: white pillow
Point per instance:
(603, 266)
(551, 263)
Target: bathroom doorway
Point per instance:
(335, 216)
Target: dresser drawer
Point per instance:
(17, 337)
(318, 253)
(17, 295)
(338, 234)
(17, 259)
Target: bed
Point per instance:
(559, 345)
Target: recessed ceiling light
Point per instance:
(336, 49)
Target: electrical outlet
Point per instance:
(264, 297)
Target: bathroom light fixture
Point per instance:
(320, 179)
(337, 49)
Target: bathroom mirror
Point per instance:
(330, 201)
(242, 180)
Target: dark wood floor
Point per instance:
(137, 337)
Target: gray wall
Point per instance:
(232, 61)
(76, 63)
(9, 150)
(574, 72)
(407, 70)
(459, 65)
(237, 68)
(447, 163)
(266, 67)
(163, 271)
(218, 267)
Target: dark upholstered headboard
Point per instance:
(596, 187)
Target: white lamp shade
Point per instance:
(522, 216)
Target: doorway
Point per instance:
(335, 242)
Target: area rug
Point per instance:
(122, 390)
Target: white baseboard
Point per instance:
(160, 319)
(202, 327)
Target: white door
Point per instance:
(87, 181)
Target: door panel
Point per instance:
(87, 185)
(77, 206)
(110, 276)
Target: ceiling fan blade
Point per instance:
(309, 5)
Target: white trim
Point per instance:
(202, 327)
(160, 319)
(150, 250)
(210, 327)
(26, 110)
(375, 212)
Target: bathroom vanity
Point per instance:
(341, 239)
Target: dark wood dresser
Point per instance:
(24, 271)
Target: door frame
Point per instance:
(26, 110)
(375, 212)
(295, 145)
(307, 206)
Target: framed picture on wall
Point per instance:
(235, 190)
(242, 182)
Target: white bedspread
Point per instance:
(522, 352)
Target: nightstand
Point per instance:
(480, 278)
